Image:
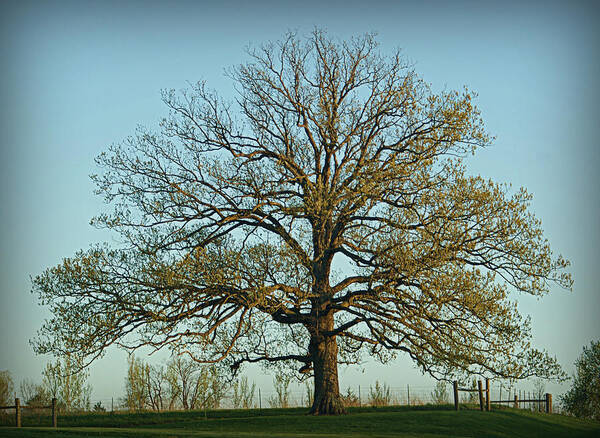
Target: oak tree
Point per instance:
(323, 213)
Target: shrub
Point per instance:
(583, 399)
(380, 395)
(439, 396)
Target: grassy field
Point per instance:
(293, 423)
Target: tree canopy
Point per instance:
(323, 213)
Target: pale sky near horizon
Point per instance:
(78, 76)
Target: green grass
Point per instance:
(388, 422)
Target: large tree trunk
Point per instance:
(324, 354)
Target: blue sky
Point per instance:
(78, 76)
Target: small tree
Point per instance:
(439, 396)
(539, 391)
(380, 395)
(6, 388)
(195, 385)
(243, 393)
(66, 381)
(218, 386)
(98, 407)
(186, 380)
(174, 389)
(136, 384)
(583, 399)
(473, 396)
(350, 399)
(309, 393)
(281, 399)
(157, 387)
(34, 394)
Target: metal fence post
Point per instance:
(455, 386)
(54, 413)
(17, 412)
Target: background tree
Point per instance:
(350, 398)
(539, 391)
(439, 395)
(583, 399)
(309, 393)
(158, 388)
(67, 382)
(6, 389)
(34, 394)
(472, 397)
(98, 407)
(136, 384)
(187, 380)
(243, 393)
(380, 395)
(196, 385)
(281, 398)
(234, 215)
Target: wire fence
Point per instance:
(358, 395)
(353, 396)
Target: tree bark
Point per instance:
(324, 354)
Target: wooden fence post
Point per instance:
(516, 401)
(54, 418)
(487, 395)
(455, 385)
(17, 412)
(548, 403)
(480, 390)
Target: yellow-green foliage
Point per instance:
(232, 214)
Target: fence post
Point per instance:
(408, 394)
(480, 390)
(548, 403)
(17, 412)
(455, 386)
(516, 401)
(488, 406)
(54, 422)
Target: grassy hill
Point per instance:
(293, 423)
